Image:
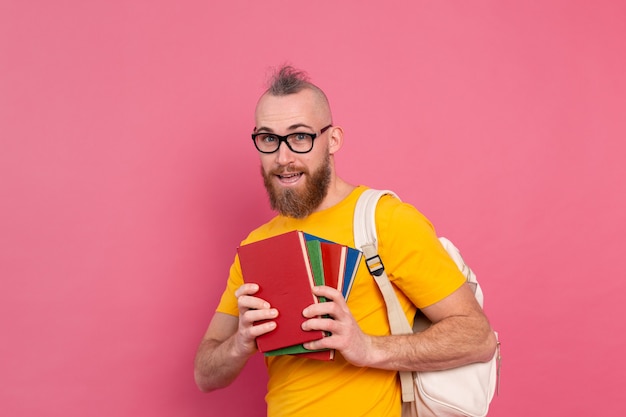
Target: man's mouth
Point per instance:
(289, 178)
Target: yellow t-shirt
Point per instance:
(422, 274)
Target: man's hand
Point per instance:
(346, 335)
(230, 341)
(252, 309)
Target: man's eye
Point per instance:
(268, 139)
(301, 136)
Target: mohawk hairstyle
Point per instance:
(289, 80)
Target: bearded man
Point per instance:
(297, 142)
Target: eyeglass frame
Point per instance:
(282, 139)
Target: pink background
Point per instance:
(127, 179)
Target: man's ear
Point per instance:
(335, 139)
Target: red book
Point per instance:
(280, 266)
(334, 262)
(334, 258)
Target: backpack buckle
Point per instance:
(375, 265)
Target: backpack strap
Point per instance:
(365, 217)
(365, 239)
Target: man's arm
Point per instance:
(230, 341)
(460, 334)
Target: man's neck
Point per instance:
(338, 190)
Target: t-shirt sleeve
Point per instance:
(415, 261)
(228, 302)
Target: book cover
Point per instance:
(317, 268)
(334, 261)
(314, 250)
(280, 266)
(301, 352)
(353, 260)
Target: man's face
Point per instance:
(296, 183)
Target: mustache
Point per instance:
(288, 169)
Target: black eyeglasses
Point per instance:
(296, 142)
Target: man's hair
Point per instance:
(288, 80)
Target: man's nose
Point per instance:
(284, 155)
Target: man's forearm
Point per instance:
(217, 364)
(452, 342)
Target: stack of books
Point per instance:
(286, 267)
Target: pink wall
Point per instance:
(127, 180)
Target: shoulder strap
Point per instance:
(365, 217)
(365, 239)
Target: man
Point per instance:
(297, 142)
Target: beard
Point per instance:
(299, 203)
